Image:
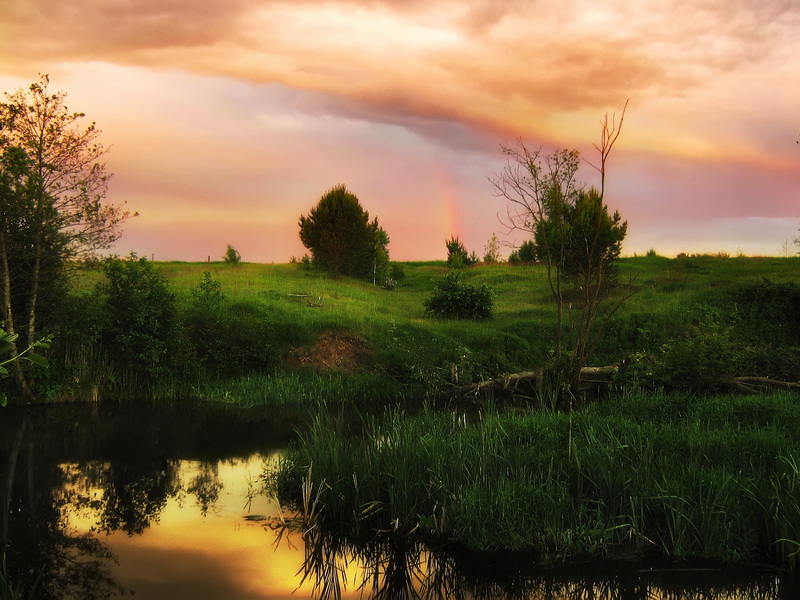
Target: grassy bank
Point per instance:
(280, 333)
(672, 476)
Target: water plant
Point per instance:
(600, 482)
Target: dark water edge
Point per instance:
(138, 469)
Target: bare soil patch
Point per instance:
(341, 352)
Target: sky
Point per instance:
(227, 121)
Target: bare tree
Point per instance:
(54, 208)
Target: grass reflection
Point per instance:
(394, 566)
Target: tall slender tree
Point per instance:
(53, 204)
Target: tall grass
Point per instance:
(608, 481)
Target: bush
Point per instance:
(139, 320)
(457, 299)
(232, 338)
(525, 254)
(232, 255)
(457, 255)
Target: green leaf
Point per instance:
(3, 399)
(7, 337)
(37, 359)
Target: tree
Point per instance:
(232, 255)
(575, 239)
(492, 250)
(457, 256)
(342, 239)
(525, 254)
(53, 192)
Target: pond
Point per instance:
(104, 500)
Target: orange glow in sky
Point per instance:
(228, 120)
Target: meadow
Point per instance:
(282, 334)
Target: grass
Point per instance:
(701, 479)
(272, 311)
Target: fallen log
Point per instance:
(758, 385)
(511, 383)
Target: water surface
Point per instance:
(103, 500)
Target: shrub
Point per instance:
(139, 315)
(525, 254)
(457, 256)
(208, 293)
(232, 339)
(232, 255)
(453, 297)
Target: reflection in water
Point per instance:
(101, 499)
(399, 567)
(44, 555)
(78, 481)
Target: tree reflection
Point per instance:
(399, 567)
(43, 497)
(44, 556)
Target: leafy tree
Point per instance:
(457, 256)
(525, 254)
(342, 239)
(574, 237)
(53, 189)
(232, 255)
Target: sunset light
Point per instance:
(227, 121)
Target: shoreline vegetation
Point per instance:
(669, 477)
(665, 462)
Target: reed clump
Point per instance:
(626, 477)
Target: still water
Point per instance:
(101, 501)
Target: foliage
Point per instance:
(28, 354)
(234, 339)
(208, 293)
(278, 308)
(53, 206)
(676, 476)
(524, 255)
(457, 255)
(232, 255)
(342, 239)
(582, 239)
(575, 238)
(455, 298)
(140, 320)
(492, 250)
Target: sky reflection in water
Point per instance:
(200, 545)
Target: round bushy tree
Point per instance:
(342, 239)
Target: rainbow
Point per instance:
(448, 195)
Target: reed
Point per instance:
(601, 482)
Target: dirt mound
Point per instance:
(334, 352)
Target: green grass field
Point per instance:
(274, 317)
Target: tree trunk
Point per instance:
(16, 366)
